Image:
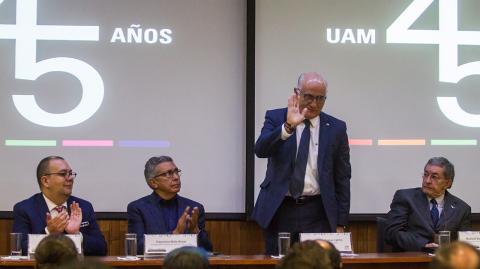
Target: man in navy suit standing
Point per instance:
(164, 211)
(54, 210)
(417, 214)
(307, 183)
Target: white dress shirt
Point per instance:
(51, 208)
(311, 186)
(440, 203)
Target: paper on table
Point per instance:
(133, 258)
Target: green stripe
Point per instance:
(31, 143)
(453, 142)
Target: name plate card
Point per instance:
(161, 244)
(341, 241)
(471, 237)
(34, 240)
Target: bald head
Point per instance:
(311, 79)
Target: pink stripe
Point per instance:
(87, 143)
(360, 142)
(401, 142)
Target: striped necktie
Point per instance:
(434, 212)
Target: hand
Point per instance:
(57, 225)
(431, 245)
(340, 229)
(182, 222)
(294, 115)
(193, 223)
(73, 226)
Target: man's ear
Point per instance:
(449, 183)
(44, 181)
(152, 184)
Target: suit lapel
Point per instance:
(323, 138)
(156, 212)
(292, 143)
(424, 207)
(448, 210)
(42, 208)
(69, 203)
(181, 207)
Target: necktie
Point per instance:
(59, 209)
(298, 177)
(434, 212)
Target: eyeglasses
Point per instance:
(65, 174)
(309, 98)
(434, 177)
(170, 173)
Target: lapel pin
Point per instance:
(327, 124)
(452, 206)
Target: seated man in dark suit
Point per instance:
(54, 210)
(164, 211)
(417, 214)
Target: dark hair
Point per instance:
(186, 258)
(305, 255)
(55, 250)
(152, 163)
(448, 169)
(447, 257)
(333, 253)
(86, 263)
(43, 166)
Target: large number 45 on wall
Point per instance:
(448, 37)
(26, 32)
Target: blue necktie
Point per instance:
(298, 177)
(434, 212)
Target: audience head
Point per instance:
(87, 263)
(332, 252)
(186, 258)
(438, 176)
(55, 250)
(305, 255)
(163, 176)
(456, 255)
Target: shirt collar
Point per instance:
(315, 121)
(51, 205)
(159, 199)
(440, 199)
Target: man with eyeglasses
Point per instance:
(419, 213)
(307, 183)
(54, 210)
(164, 211)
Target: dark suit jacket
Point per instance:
(29, 217)
(333, 167)
(409, 225)
(145, 217)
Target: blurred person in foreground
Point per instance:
(332, 252)
(55, 250)
(186, 258)
(305, 255)
(456, 255)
